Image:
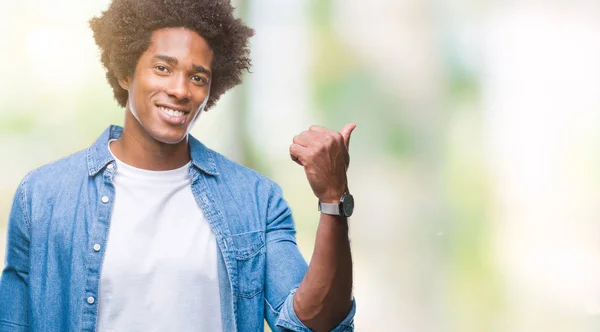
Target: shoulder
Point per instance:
(58, 173)
(260, 198)
(43, 185)
(242, 180)
(233, 171)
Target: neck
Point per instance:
(137, 148)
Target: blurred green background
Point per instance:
(474, 162)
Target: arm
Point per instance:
(324, 296)
(285, 270)
(14, 299)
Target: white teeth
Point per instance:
(171, 112)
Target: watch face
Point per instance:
(348, 205)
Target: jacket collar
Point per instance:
(98, 155)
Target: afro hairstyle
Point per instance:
(124, 31)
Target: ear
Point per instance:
(124, 82)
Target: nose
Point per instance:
(178, 88)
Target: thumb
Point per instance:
(346, 131)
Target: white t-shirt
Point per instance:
(160, 267)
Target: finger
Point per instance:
(320, 129)
(307, 138)
(298, 161)
(298, 153)
(346, 132)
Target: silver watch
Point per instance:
(344, 208)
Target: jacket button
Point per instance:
(110, 166)
(97, 247)
(104, 199)
(91, 300)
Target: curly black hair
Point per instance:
(124, 31)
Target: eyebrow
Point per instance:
(173, 62)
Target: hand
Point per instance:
(324, 155)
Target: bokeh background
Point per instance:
(474, 164)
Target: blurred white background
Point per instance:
(474, 164)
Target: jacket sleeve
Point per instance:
(285, 269)
(14, 298)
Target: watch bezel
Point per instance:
(346, 205)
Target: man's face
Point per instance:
(170, 85)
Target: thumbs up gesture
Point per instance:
(324, 155)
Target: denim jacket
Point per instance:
(58, 227)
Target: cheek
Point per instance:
(204, 101)
(198, 112)
(135, 99)
(201, 99)
(200, 109)
(206, 95)
(140, 94)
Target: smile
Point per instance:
(171, 115)
(171, 111)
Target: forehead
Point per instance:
(187, 46)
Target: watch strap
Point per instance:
(330, 208)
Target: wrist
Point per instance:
(340, 207)
(333, 196)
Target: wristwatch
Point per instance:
(344, 208)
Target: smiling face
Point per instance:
(170, 86)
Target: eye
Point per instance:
(199, 79)
(161, 68)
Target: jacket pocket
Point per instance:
(249, 251)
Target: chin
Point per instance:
(169, 138)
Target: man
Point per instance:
(149, 230)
